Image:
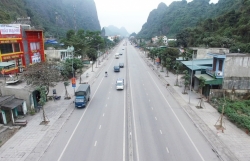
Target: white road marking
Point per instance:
(155, 118)
(124, 128)
(103, 114)
(178, 120)
(108, 97)
(95, 143)
(160, 131)
(167, 149)
(136, 142)
(100, 126)
(149, 100)
(152, 108)
(71, 136)
(147, 93)
(106, 105)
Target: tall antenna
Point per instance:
(75, 17)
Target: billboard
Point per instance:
(7, 29)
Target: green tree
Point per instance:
(186, 78)
(66, 91)
(42, 100)
(67, 71)
(177, 71)
(168, 64)
(202, 81)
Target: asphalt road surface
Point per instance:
(141, 123)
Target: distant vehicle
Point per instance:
(120, 53)
(82, 95)
(117, 55)
(116, 69)
(122, 49)
(121, 65)
(120, 84)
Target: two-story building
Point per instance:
(20, 45)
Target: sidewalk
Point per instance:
(30, 142)
(232, 144)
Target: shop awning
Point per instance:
(210, 80)
(12, 104)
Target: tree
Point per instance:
(186, 78)
(42, 74)
(67, 71)
(177, 71)
(168, 63)
(202, 81)
(42, 101)
(66, 91)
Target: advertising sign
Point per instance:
(6, 29)
(73, 80)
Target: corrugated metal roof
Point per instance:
(210, 80)
(197, 67)
(199, 62)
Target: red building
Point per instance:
(20, 45)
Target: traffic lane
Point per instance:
(109, 144)
(160, 105)
(56, 147)
(93, 135)
(149, 145)
(59, 142)
(195, 137)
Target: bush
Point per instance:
(237, 112)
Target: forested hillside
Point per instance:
(112, 30)
(55, 17)
(230, 30)
(170, 20)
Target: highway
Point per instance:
(143, 122)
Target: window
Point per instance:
(220, 65)
(16, 47)
(214, 64)
(10, 66)
(6, 48)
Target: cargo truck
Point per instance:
(82, 95)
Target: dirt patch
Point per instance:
(6, 133)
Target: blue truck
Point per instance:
(82, 95)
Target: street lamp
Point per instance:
(71, 49)
(191, 76)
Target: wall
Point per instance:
(237, 72)
(236, 95)
(202, 52)
(55, 54)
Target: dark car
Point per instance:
(116, 69)
(121, 65)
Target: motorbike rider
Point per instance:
(106, 73)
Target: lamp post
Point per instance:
(71, 49)
(191, 77)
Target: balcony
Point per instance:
(210, 72)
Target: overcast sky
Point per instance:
(131, 14)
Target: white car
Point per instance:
(120, 84)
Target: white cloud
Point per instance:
(131, 14)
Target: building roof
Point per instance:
(198, 62)
(210, 80)
(12, 104)
(197, 67)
